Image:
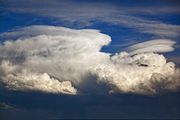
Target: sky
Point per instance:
(76, 50)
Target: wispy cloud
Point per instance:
(158, 45)
(84, 13)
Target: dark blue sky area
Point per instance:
(116, 106)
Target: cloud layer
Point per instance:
(57, 60)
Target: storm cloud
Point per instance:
(57, 60)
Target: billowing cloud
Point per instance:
(57, 59)
(46, 57)
(145, 73)
(26, 80)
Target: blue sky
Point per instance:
(127, 22)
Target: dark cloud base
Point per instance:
(36, 105)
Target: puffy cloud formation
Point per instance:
(32, 81)
(53, 58)
(57, 60)
(145, 73)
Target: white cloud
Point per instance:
(26, 80)
(58, 60)
(158, 45)
(46, 51)
(146, 73)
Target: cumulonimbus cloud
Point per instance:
(57, 59)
